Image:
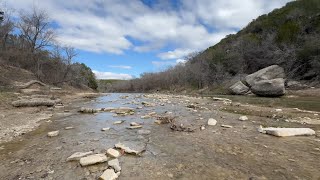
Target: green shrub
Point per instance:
(288, 32)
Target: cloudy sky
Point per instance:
(124, 38)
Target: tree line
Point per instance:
(29, 42)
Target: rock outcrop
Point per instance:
(239, 88)
(268, 81)
(274, 87)
(268, 73)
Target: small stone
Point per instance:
(243, 118)
(278, 110)
(145, 117)
(53, 133)
(158, 122)
(78, 155)
(212, 122)
(226, 126)
(202, 127)
(143, 132)
(113, 153)
(114, 163)
(118, 122)
(105, 129)
(93, 159)
(134, 127)
(126, 149)
(109, 174)
(68, 128)
(134, 124)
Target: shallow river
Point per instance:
(215, 153)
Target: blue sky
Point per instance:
(123, 38)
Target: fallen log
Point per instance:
(30, 83)
(35, 102)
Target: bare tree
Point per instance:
(35, 28)
(70, 54)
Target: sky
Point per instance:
(121, 39)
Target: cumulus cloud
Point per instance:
(116, 26)
(121, 67)
(111, 75)
(181, 61)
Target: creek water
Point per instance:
(214, 153)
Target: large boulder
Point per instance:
(268, 73)
(271, 88)
(239, 88)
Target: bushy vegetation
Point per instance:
(288, 36)
(29, 43)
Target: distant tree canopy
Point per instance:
(288, 36)
(28, 50)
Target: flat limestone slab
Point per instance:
(78, 155)
(285, 132)
(93, 159)
(53, 133)
(109, 174)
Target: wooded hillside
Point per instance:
(289, 37)
(28, 42)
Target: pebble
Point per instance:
(105, 129)
(212, 122)
(226, 126)
(243, 118)
(134, 124)
(278, 110)
(53, 133)
(68, 128)
(114, 163)
(145, 117)
(118, 122)
(113, 153)
(134, 127)
(202, 127)
(109, 174)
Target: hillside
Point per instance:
(289, 37)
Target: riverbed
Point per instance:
(215, 152)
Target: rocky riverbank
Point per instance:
(158, 136)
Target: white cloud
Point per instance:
(105, 26)
(121, 67)
(177, 53)
(111, 75)
(181, 61)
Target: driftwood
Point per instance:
(35, 102)
(30, 83)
